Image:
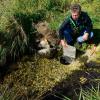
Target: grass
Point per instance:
(33, 77)
(39, 75)
(86, 94)
(90, 94)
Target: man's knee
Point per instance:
(91, 35)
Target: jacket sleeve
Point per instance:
(88, 24)
(62, 28)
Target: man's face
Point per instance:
(75, 15)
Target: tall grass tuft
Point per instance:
(3, 52)
(16, 19)
(90, 93)
(18, 38)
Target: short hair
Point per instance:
(75, 8)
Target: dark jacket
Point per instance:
(83, 23)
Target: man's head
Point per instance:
(75, 11)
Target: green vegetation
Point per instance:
(87, 94)
(32, 77)
(90, 94)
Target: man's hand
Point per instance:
(85, 36)
(63, 43)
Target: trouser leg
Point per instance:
(68, 36)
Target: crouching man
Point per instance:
(77, 28)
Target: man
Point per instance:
(77, 27)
